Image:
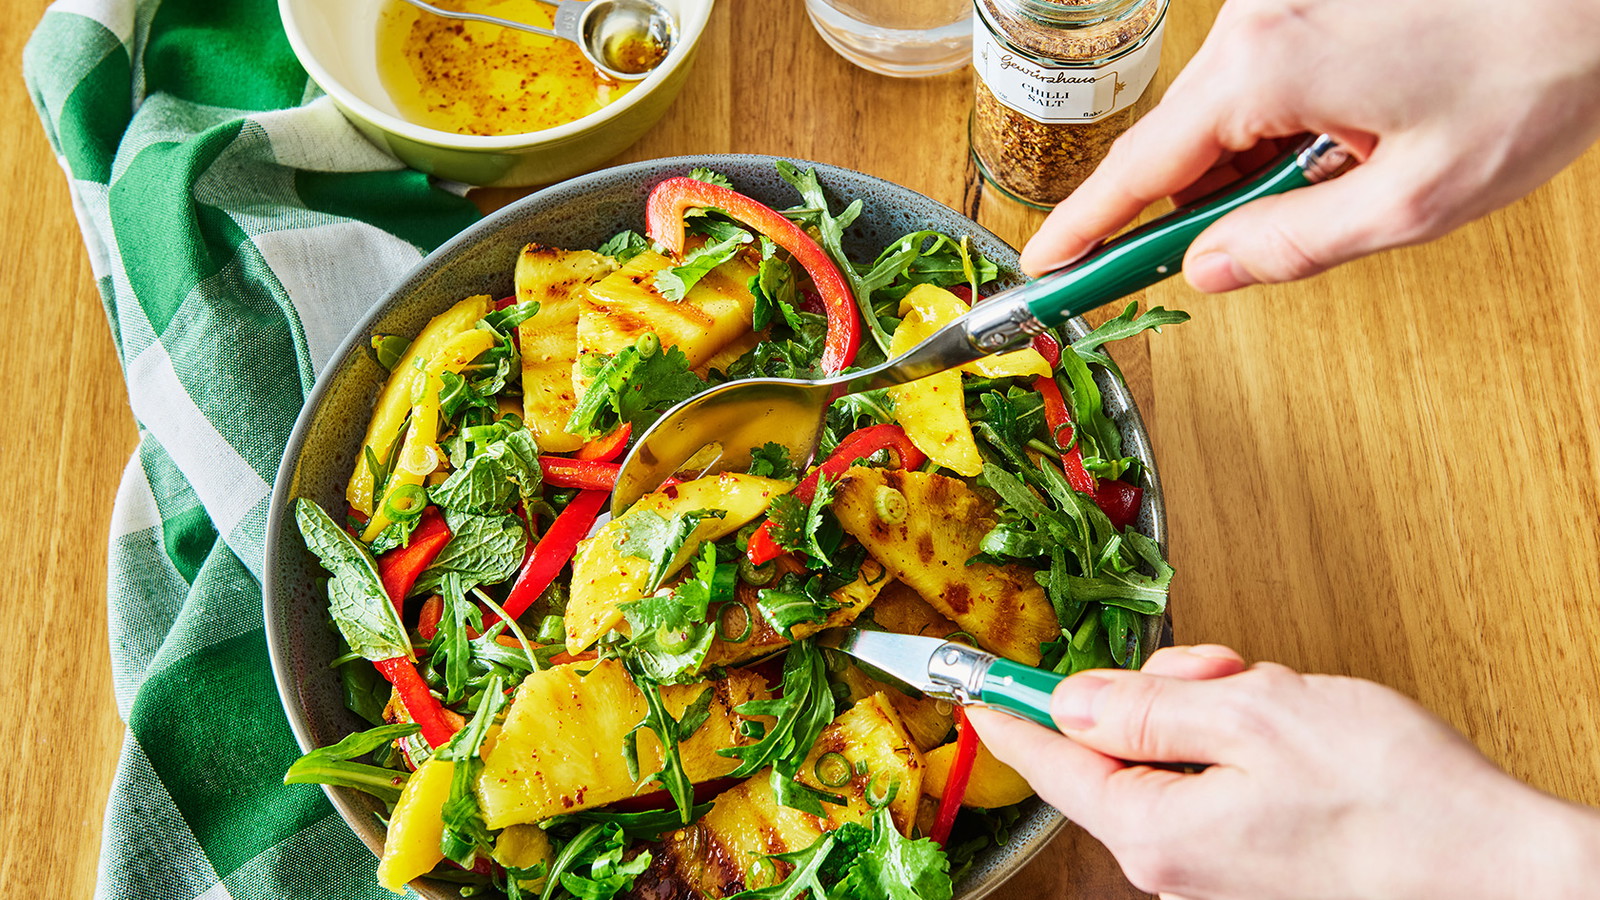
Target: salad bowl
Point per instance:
(579, 213)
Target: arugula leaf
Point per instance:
(806, 875)
(501, 321)
(636, 386)
(599, 848)
(795, 600)
(642, 826)
(332, 765)
(501, 472)
(624, 245)
(671, 732)
(1125, 325)
(771, 460)
(648, 536)
(390, 349)
(1009, 422)
(357, 601)
(675, 283)
(854, 411)
(896, 868)
(813, 213)
(1098, 435)
(465, 833)
(804, 708)
(779, 359)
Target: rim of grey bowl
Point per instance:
(1041, 823)
(335, 87)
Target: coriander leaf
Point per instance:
(494, 478)
(465, 833)
(624, 245)
(896, 868)
(772, 460)
(648, 536)
(357, 601)
(669, 635)
(675, 283)
(710, 176)
(636, 386)
(805, 528)
(332, 765)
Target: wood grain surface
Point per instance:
(1389, 471)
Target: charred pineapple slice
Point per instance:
(560, 748)
(603, 577)
(991, 784)
(625, 305)
(1003, 607)
(557, 280)
(743, 633)
(715, 856)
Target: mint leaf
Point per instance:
(501, 472)
(482, 550)
(357, 601)
(624, 245)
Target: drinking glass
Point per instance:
(903, 38)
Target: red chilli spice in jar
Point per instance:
(1056, 82)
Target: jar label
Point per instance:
(1047, 92)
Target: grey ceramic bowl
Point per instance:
(579, 213)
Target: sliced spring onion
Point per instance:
(751, 573)
(889, 505)
(877, 799)
(734, 615)
(832, 769)
(405, 503)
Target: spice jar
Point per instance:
(1056, 82)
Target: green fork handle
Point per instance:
(1145, 255)
(1020, 690)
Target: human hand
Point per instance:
(1316, 787)
(1457, 109)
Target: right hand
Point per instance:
(1457, 108)
(1317, 788)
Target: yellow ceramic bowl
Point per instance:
(336, 41)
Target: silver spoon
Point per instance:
(625, 39)
(716, 430)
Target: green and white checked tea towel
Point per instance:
(238, 227)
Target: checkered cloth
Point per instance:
(238, 227)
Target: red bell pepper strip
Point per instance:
(955, 785)
(858, 444)
(438, 724)
(608, 448)
(587, 474)
(429, 616)
(1120, 501)
(544, 560)
(400, 567)
(1059, 419)
(664, 221)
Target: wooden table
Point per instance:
(1390, 471)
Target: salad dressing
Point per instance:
(475, 78)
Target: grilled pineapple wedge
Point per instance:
(714, 857)
(560, 751)
(625, 305)
(604, 578)
(557, 280)
(1003, 607)
(757, 637)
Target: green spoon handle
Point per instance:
(1020, 690)
(1143, 256)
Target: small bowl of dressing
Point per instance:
(480, 103)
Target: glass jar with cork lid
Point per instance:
(1056, 81)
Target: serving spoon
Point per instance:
(625, 39)
(717, 429)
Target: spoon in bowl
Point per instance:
(625, 39)
(717, 429)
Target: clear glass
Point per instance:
(901, 38)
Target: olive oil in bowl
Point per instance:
(475, 78)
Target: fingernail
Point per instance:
(1212, 651)
(1072, 704)
(1217, 271)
